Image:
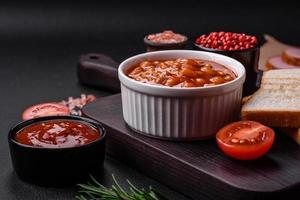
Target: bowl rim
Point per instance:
(124, 79)
(225, 51)
(155, 44)
(16, 128)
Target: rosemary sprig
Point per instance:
(95, 191)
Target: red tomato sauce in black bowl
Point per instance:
(58, 134)
(57, 150)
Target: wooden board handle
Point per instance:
(98, 70)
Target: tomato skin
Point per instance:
(247, 151)
(45, 109)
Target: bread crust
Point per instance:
(246, 99)
(274, 118)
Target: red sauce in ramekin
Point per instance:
(181, 72)
(57, 134)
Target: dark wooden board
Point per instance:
(199, 169)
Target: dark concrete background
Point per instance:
(40, 43)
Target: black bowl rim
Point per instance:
(223, 51)
(23, 124)
(154, 44)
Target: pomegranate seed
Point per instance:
(221, 33)
(227, 41)
(242, 38)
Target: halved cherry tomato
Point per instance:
(45, 109)
(245, 140)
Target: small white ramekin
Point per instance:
(180, 113)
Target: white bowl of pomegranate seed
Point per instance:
(240, 46)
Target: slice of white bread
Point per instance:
(277, 102)
(283, 78)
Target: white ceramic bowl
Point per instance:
(180, 113)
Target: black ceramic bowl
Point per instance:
(153, 46)
(249, 58)
(57, 166)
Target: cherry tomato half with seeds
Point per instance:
(245, 140)
(45, 109)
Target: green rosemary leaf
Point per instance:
(93, 190)
(133, 188)
(118, 187)
(80, 197)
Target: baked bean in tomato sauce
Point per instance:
(181, 72)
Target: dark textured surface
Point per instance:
(46, 73)
(41, 43)
(200, 167)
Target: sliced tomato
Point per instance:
(45, 109)
(245, 140)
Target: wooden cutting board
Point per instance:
(272, 47)
(199, 169)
